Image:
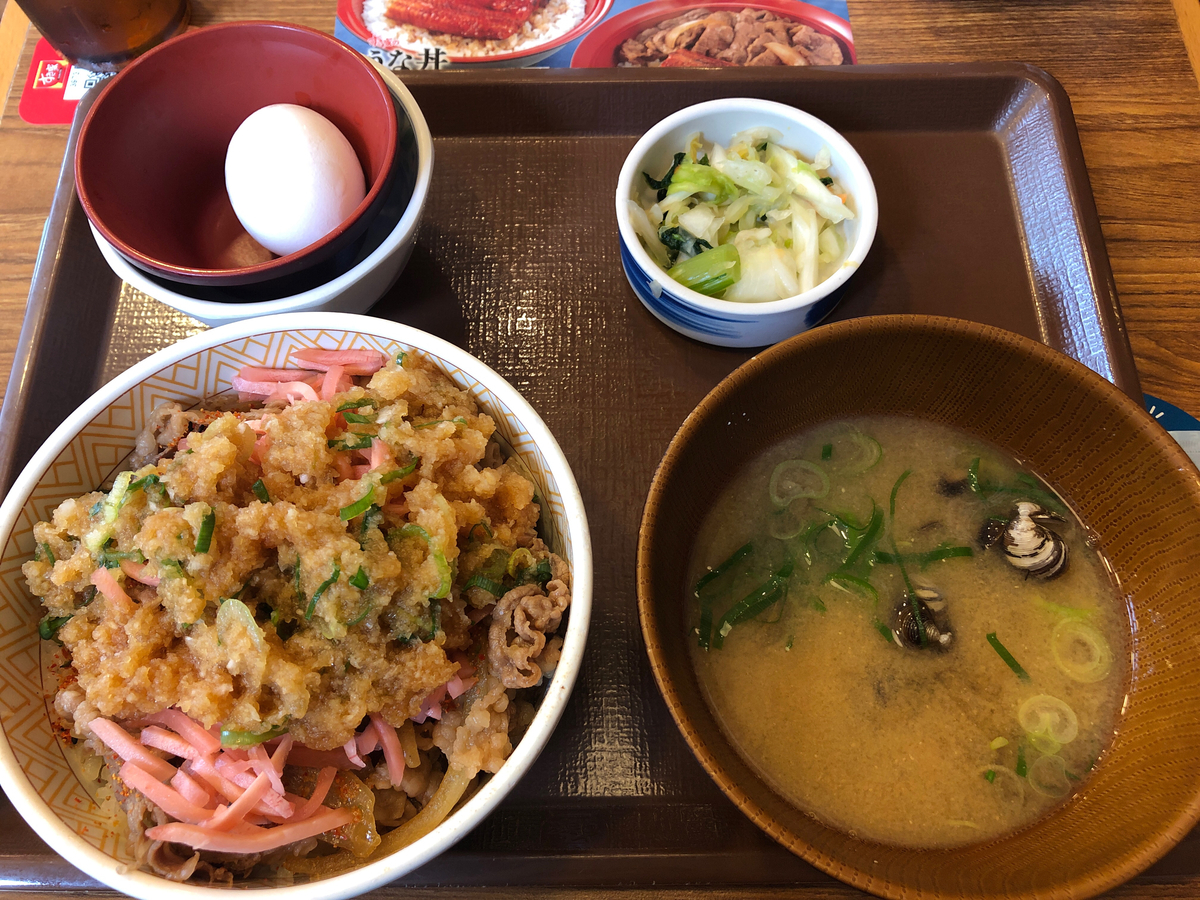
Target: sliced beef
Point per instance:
(689, 59)
(520, 622)
(819, 49)
(750, 37)
(717, 35)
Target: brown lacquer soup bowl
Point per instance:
(1132, 488)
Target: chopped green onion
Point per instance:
(884, 631)
(260, 491)
(496, 566)
(1002, 651)
(44, 550)
(1080, 651)
(111, 559)
(713, 574)
(865, 453)
(791, 639)
(797, 478)
(846, 519)
(908, 588)
(172, 568)
(1047, 499)
(249, 738)
(360, 579)
(400, 357)
(999, 742)
(839, 580)
(147, 483)
(758, 600)
(439, 558)
(110, 507)
(495, 588)
(869, 536)
(352, 441)
(359, 506)
(366, 611)
(809, 540)
(371, 519)
(357, 404)
(911, 594)
(358, 419)
(539, 572)
(1022, 769)
(435, 618)
(827, 181)
(391, 476)
(487, 529)
(827, 452)
(49, 626)
(990, 775)
(944, 553)
(706, 611)
(818, 605)
(321, 589)
(299, 589)
(896, 490)
(204, 538)
(521, 558)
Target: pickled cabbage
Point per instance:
(761, 212)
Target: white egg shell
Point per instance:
(292, 177)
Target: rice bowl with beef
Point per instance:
(41, 766)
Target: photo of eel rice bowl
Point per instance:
(470, 28)
(295, 633)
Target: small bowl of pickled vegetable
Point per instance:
(742, 220)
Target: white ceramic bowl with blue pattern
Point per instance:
(727, 323)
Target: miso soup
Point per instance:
(906, 634)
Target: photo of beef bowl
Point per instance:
(473, 33)
(676, 34)
(301, 599)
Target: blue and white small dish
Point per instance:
(722, 322)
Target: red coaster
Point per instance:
(54, 87)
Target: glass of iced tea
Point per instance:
(103, 35)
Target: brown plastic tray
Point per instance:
(985, 213)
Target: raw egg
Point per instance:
(292, 177)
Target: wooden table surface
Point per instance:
(1129, 67)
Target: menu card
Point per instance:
(53, 87)
(559, 34)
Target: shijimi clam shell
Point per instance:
(91, 445)
(1128, 481)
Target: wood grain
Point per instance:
(14, 26)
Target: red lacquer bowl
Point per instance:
(350, 12)
(599, 49)
(150, 163)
